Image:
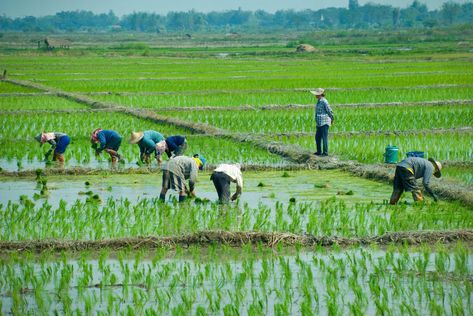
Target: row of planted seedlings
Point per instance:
(6, 87)
(454, 146)
(347, 119)
(21, 129)
(94, 219)
(251, 280)
(93, 74)
(38, 102)
(265, 97)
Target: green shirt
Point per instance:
(148, 143)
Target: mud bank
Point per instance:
(239, 239)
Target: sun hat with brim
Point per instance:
(438, 168)
(318, 91)
(136, 137)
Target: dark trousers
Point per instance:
(321, 135)
(222, 185)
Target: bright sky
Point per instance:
(21, 8)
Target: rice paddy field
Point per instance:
(309, 235)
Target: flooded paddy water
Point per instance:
(246, 281)
(262, 187)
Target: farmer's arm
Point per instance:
(53, 144)
(239, 187)
(192, 179)
(102, 141)
(426, 181)
(329, 110)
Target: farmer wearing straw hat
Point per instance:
(172, 145)
(175, 173)
(109, 141)
(323, 118)
(59, 143)
(222, 176)
(410, 169)
(147, 141)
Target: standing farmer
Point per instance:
(222, 176)
(175, 173)
(59, 143)
(323, 118)
(173, 146)
(147, 141)
(410, 169)
(109, 141)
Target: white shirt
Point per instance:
(233, 171)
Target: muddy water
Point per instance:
(265, 188)
(27, 164)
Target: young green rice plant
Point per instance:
(370, 149)
(348, 119)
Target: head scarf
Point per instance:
(93, 137)
(161, 147)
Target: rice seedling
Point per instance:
(369, 149)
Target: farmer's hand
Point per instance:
(234, 197)
(97, 152)
(191, 193)
(47, 154)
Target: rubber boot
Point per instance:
(417, 196)
(395, 197)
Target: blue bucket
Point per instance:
(419, 154)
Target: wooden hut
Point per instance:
(54, 43)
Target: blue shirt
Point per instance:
(107, 137)
(174, 142)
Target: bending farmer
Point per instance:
(410, 169)
(173, 146)
(59, 143)
(323, 118)
(147, 141)
(175, 173)
(222, 176)
(109, 141)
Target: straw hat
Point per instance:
(318, 91)
(136, 137)
(438, 167)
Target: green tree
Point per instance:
(450, 11)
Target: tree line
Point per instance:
(354, 16)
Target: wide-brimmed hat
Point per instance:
(318, 91)
(136, 137)
(438, 167)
